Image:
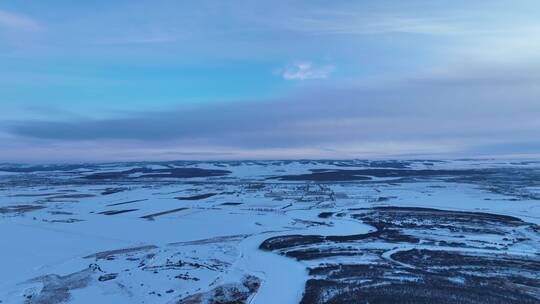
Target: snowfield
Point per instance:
(463, 231)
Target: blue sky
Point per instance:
(145, 80)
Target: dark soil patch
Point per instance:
(195, 197)
(115, 212)
(153, 215)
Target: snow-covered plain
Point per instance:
(464, 231)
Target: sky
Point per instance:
(162, 80)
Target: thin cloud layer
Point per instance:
(474, 110)
(18, 22)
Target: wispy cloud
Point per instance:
(18, 22)
(306, 70)
(347, 23)
(143, 38)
